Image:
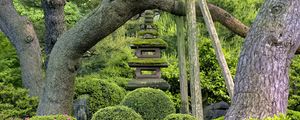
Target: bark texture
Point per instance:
(23, 37)
(54, 23)
(196, 97)
(261, 82)
(217, 46)
(180, 25)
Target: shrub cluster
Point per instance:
(179, 117)
(152, 104)
(116, 113)
(102, 93)
(53, 117)
(15, 102)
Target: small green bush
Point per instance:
(15, 102)
(102, 93)
(220, 118)
(179, 117)
(152, 104)
(116, 113)
(53, 117)
(294, 115)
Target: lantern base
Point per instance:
(153, 83)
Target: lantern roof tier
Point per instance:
(148, 43)
(148, 62)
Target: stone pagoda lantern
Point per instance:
(148, 48)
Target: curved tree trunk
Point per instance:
(261, 82)
(22, 35)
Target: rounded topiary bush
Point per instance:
(101, 93)
(53, 117)
(179, 117)
(152, 104)
(116, 113)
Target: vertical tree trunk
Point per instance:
(54, 22)
(261, 81)
(182, 64)
(22, 35)
(217, 46)
(195, 87)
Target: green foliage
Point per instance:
(86, 5)
(15, 102)
(72, 14)
(294, 93)
(175, 97)
(109, 59)
(152, 104)
(220, 118)
(116, 113)
(53, 117)
(245, 10)
(171, 73)
(10, 72)
(179, 117)
(277, 117)
(294, 115)
(102, 93)
(167, 31)
(212, 81)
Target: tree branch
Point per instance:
(22, 35)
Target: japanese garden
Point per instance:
(149, 60)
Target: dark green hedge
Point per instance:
(102, 93)
(116, 113)
(152, 104)
(53, 117)
(179, 117)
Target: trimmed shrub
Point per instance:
(15, 102)
(180, 117)
(116, 113)
(53, 117)
(102, 93)
(152, 104)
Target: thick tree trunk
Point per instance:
(196, 97)
(217, 46)
(54, 22)
(261, 82)
(180, 25)
(22, 35)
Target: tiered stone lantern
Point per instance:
(148, 47)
